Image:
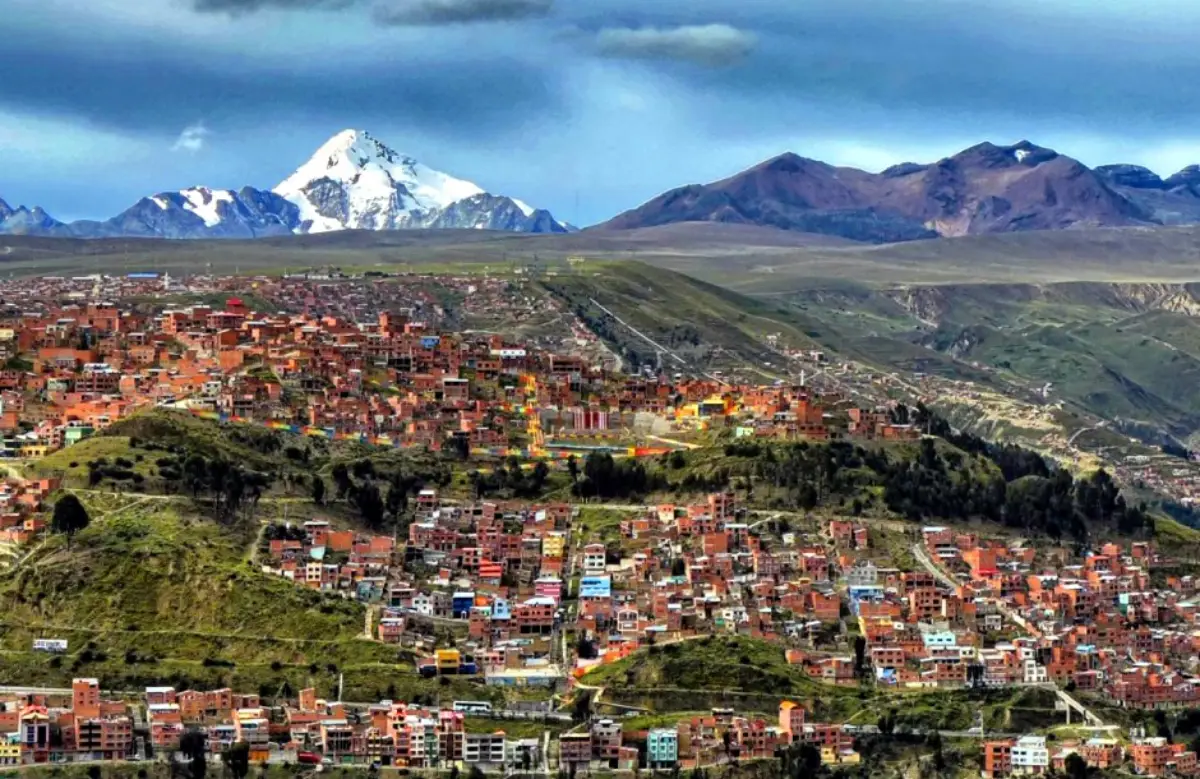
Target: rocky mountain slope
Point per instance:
(25, 221)
(353, 181)
(984, 189)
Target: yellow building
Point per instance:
(10, 752)
(554, 545)
(33, 451)
(447, 660)
(832, 756)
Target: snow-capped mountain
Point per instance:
(200, 212)
(354, 181)
(25, 221)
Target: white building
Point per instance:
(1030, 756)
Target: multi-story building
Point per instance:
(104, 738)
(662, 747)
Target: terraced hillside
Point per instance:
(1127, 353)
(161, 587)
(696, 675)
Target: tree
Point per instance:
(69, 517)
(194, 746)
(581, 709)
(573, 468)
(585, 648)
(342, 480)
(860, 654)
(318, 490)
(93, 772)
(237, 759)
(370, 504)
(934, 742)
(1076, 767)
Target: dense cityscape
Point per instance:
(518, 565)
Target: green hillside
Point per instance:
(946, 477)
(752, 675)
(148, 594)
(701, 324)
(163, 587)
(1125, 352)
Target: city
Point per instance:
(521, 572)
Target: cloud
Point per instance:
(396, 12)
(192, 139)
(715, 45)
(440, 12)
(236, 7)
(165, 87)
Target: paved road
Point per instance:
(918, 551)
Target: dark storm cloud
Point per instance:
(163, 88)
(711, 44)
(249, 6)
(954, 61)
(439, 12)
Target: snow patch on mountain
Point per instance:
(206, 203)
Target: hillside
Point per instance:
(752, 675)
(1123, 352)
(151, 593)
(163, 585)
(651, 314)
(943, 476)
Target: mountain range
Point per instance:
(984, 189)
(353, 181)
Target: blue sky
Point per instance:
(585, 107)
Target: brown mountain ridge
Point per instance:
(983, 189)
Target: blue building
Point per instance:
(595, 587)
(461, 603)
(662, 747)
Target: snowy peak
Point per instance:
(355, 181)
(25, 221)
(200, 212)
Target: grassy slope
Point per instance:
(154, 576)
(726, 666)
(179, 594)
(686, 315)
(1104, 348)
(154, 434)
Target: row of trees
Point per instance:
(380, 498)
(510, 480)
(1001, 483)
(605, 477)
(193, 746)
(230, 488)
